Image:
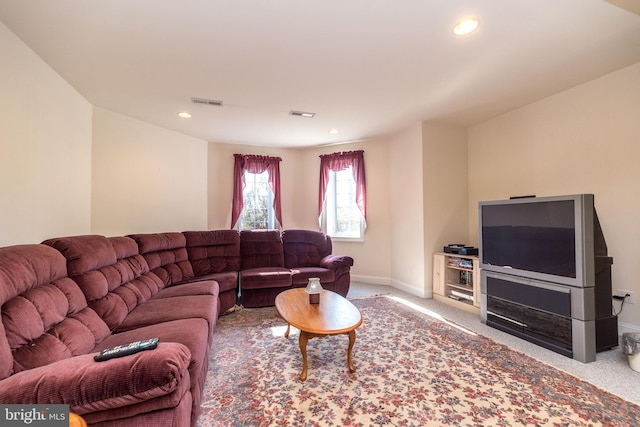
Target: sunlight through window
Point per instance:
(278, 331)
(429, 313)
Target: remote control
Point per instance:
(126, 349)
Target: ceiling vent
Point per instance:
(301, 114)
(204, 101)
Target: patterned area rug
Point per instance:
(413, 369)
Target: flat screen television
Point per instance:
(553, 239)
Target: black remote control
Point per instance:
(126, 349)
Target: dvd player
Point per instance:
(460, 249)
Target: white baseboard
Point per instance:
(374, 280)
(627, 327)
(388, 281)
(409, 289)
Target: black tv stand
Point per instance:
(575, 322)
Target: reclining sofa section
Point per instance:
(68, 298)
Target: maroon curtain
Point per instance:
(255, 164)
(341, 161)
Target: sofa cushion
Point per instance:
(6, 358)
(127, 254)
(45, 317)
(215, 251)
(305, 248)
(260, 248)
(215, 255)
(227, 281)
(300, 276)
(166, 256)
(266, 277)
(113, 276)
(84, 253)
(202, 287)
(166, 309)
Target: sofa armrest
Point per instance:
(334, 262)
(88, 386)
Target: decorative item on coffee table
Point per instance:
(314, 289)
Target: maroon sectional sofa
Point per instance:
(68, 298)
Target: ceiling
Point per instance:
(368, 68)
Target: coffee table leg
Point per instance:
(352, 341)
(303, 350)
(286, 334)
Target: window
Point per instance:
(256, 192)
(342, 205)
(257, 212)
(341, 217)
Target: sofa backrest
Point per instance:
(45, 317)
(112, 275)
(261, 248)
(305, 248)
(215, 251)
(133, 270)
(166, 255)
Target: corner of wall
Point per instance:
(445, 186)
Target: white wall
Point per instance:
(445, 190)
(407, 212)
(145, 178)
(583, 140)
(428, 200)
(45, 146)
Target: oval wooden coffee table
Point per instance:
(334, 315)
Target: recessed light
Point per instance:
(465, 27)
(334, 131)
(184, 115)
(302, 114)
